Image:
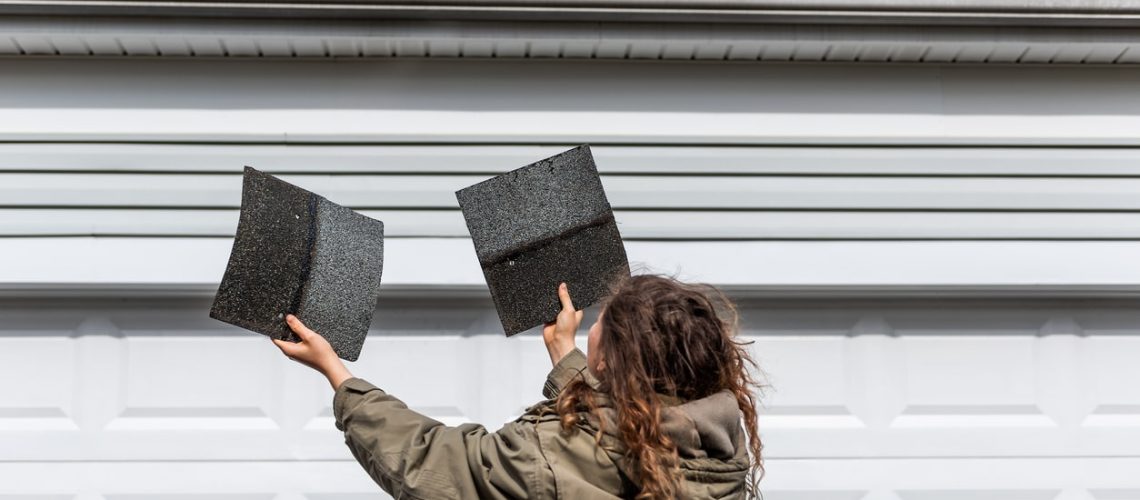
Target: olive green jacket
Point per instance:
(412, 456)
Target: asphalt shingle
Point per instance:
(540, 225)
(297, 252)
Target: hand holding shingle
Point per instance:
(314, 352)
(559, 334)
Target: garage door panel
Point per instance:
(970, 382)
(815, 495)
(807, 383)
(1115, 494)
(1114, 385)
(1027, 494)
(40, 392)
(199, 383)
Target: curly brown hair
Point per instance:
(662, 336)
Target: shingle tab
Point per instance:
(540, 225)
(297, 252)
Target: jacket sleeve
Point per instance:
(412, 456)
(571, 366)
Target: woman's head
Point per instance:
(658, 336)
(675, 336)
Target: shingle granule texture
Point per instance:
(344, 283)
(298, 253)
(543, 224)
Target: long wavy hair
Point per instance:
(662, 336)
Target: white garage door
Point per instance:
(906, 398)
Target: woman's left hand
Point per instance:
(313, 351)
(559, 334)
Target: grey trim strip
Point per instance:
(1089, 13)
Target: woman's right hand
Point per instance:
(314, 352)
(559, 334)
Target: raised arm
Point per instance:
(413, 456)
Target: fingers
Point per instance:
(298, 327)
(578, 316)
(564, 297)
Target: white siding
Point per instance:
(565, 102)
(865, 167)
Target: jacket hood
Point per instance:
(710, 442)
(709, 427)
(705, 428)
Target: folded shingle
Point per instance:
(543, 224)
(296, 252)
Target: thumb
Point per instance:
(299, 328)
(564, 297)
(287, 348)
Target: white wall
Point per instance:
(870, 193)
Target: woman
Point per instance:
(652, 411)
